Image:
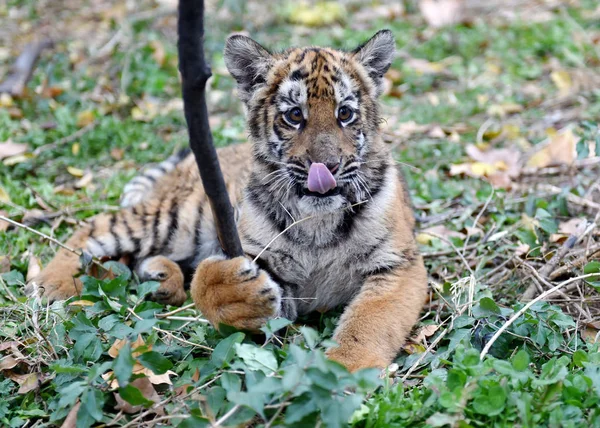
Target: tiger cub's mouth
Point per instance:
(333, 192)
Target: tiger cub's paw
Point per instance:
(55, 282)
(169, 275)
(235, 292)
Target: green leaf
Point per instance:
(257, 358)
(583, 149)
(92, 401)
(118, 269)
(456, 379)
(491, 400)
(310, 335)
(520, 361)
(134, 396)
(292, 377)
(300, 408)
(254, 401)
(123, 365)
(146, 288)
(225, 349)
(489, 305)
(592, 267)
(580, 357)
(155, 362)
(274, 325)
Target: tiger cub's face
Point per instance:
(313, 117)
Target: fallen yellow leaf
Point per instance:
(503, 110)
(81, 303)
(75, 172)
(75, 148)
(85, 118)
(4, 195)
(563, 82)
(560, 150)
(316, 15)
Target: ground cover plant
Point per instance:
(492, 116)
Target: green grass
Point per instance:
(543, 371)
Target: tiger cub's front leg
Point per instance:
(235, 292)
(376, 323)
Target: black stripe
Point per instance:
(136, 241)
(113, 222)
(155, 231)
(381, 270)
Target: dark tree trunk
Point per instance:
(194, 74)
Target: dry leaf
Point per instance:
(413, 348)
(81, 303)
(502, 110)
(439, 13)
(425, 332)
(6, 100)
(119, 343)
(522, 250)
(75, 172)
(4, 196)
(7, 345)
(590, 334)
(8, 362)
(117, 154)
(316, 14)
(574, 226)
(423, 66)
(27, 382)
(84, 181)
(563, 81)
(85, 118)
(427, 235)
(75, 149)
(4, 260)
(71, 419)
(158, 52)
(560, 150)
(9, 149)
(14, 160)
(33, 268)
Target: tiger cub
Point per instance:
(323, 213)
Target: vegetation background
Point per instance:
(491, 110)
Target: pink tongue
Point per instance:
(320, 179)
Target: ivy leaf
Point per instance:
(134, 396)
(225, 350)
(257, 358)
(155, 362)
(92, 401)
(123, 365)
(146, 288)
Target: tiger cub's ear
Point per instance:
(376, 55)
(248, 62)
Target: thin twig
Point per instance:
(43, 235)
(226, 416)
(524, 309)
(176, 311)
(66, 140)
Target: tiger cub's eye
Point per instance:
(345, 114)
(294, 116)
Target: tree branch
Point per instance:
(194, 74)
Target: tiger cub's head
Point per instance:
(313, 118)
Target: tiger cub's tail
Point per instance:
(140, 187)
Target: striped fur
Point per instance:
(354, 246)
